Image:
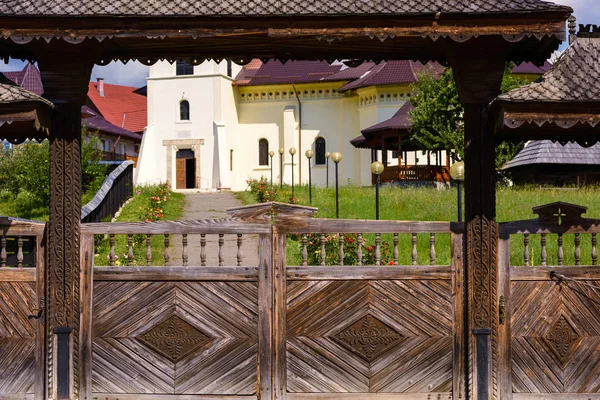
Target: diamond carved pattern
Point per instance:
(368, 337)
(174, 338)
(561, 337)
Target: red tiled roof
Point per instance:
(120, 106)
(530, 68)
(28, 78)
(392, 73)
(400, 120)
(275, 72)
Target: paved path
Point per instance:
(212, 206)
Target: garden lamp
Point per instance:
(309, 154)
(281, 151)
(377, 169)
(457, 172)
(327, 155)
(336, 157)
(292, 152)
(271, 154)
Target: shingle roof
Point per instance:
(10, 92)
(266, 7)
(400, 120)
(548, 152)
(573, 77)
(29, 78)
(120, 105)
(391, 73)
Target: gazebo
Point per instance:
(475, 38)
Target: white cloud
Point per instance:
(131, 74)
(586, 11)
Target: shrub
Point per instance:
(263, 191)
(332, 243)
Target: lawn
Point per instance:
(428, 204)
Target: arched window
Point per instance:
(184, 110)
(320, 151)
(263, 152)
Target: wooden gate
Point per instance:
(550, 302)
(22, 365)
(236, 328)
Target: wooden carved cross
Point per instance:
(560, 215)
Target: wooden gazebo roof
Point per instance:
(23, 114)
(565, 99)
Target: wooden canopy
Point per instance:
(563, 105)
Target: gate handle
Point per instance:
(39, 313)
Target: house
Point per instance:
(103, 115)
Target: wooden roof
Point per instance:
(294, 29)
(543, 152)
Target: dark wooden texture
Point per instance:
(180, 173)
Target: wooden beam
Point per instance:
(348, 273)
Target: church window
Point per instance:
(183, 68)
(263, 152)
(184, 110)
(320, 151)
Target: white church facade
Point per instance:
(212, 126)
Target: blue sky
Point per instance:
(134, 73)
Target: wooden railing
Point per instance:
(114, 192)
(415, 173)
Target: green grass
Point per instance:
(136, 211)
(428, 204)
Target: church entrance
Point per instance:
(185, 169)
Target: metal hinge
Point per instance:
(38, 312)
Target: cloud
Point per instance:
(131, 74)
(586, 11)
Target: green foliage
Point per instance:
(262, 189)
(438, 117)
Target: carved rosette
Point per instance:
(561, 337)
(174, 338)
(368, 337)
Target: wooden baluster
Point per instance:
(323, 249)
(341, 249)
(378, 249)
(359, 254)
(396, 252)
(560, 249)
(304, 249)
(432, 249)
(184, 250)
(20, 252)
(414, 249)
(221, 243)
(130, 249)
(240, 255)
(203, 249)
(3, 251)
(526, 251)
(594, 250)
(111, 255)
(544, 254)
(577, 249)
(166, 255)
(148, 249)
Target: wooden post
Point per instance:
(65, 72)
(478, 73)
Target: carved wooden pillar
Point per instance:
(478, 74)
(65, 74)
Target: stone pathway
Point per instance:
(212, 206)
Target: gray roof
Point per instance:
(548, 152)
(267, 7)
(10, 92)
(574, 77)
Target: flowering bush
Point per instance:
(332, 247)
(158, 196)
(263, 191)
(293, 200)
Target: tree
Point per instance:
(438, 116)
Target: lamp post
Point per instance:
(271, 154)
(309, 154)
(327, 155)
(292, 152)
(376, 169)
(281, 151)
(336, 158)
(457, 172)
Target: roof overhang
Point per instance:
(25, 120)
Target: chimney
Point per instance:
(572, 29)
(101, 86)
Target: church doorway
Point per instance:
(185, 169)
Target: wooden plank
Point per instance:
(265, 316)
(180, 173)
(543, 273)
(370, 396)
(556, 396)
(319, 225)
(40, 339)
(85, 330)
(504, 326)
(280, 318)
(315, 273)
(10, 274)
(139, 396)
(21, 227)
(241, 274)
(535, 226)
(458, 317)
(208, 226)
